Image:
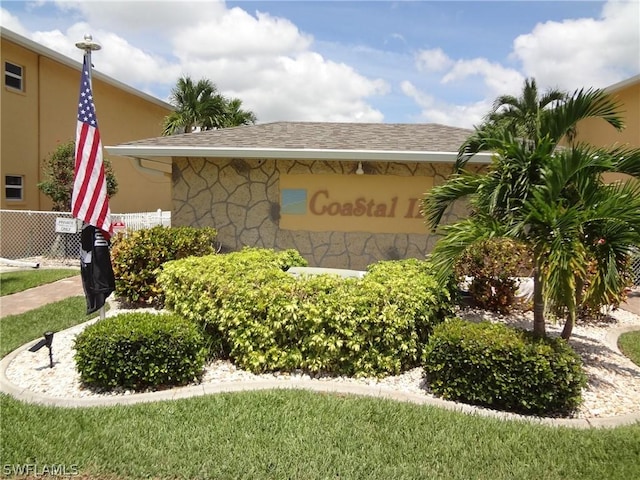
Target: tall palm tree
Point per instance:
(201, 106)
(525, 142)
(197, 105)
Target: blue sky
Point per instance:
(367, 61)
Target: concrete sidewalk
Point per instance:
(633, 302)
(21, 302)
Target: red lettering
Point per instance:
(312, 203)
(334, 209)
(370, 206)
(392, 212)
(412, 206)
(361, 207)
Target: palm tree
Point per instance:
(236, 116)
(201, 106)
(197, 105)
(524, 135)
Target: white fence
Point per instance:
(28, 234)
(635, 268)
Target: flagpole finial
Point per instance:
(88, 44)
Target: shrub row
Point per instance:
(139, 350)
(137, 256)
(500, 367)
(267, 320)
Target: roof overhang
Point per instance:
(154, 152)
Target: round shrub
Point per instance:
(503, 368)
(138, 255)
(140, 350)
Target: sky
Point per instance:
(405, 61)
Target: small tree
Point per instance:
(59, 172)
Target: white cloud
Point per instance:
(497, 79)
(583, 52)
(264, 60)
(571, 54)
(238, 34)
(12, 23)
(438, 111)
(308, 87)
(275, 69)
(434, 60)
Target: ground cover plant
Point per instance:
(629, 344)
(18, 281)
(266, 320)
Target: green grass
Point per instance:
(629, 344)
(304, 435)
(13, 282)
(293, 435)
(16, 330)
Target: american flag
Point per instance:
(89, 202)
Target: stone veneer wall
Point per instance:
(241, 199)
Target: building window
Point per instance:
(13, 187)
(13, 75)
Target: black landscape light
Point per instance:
(46, 341)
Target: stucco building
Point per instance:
(343, 194)
(38, 108)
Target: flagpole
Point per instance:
(88, 45)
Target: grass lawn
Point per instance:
(292, 435)
(16, 330)
(629, 344)
(12, 282)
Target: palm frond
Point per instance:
(457, 238)
(591, 103)
(440, 197)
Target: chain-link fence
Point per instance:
(27, 234)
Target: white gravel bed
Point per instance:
(613, 388)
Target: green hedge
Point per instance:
(500, 367)
(267, 320)
(140, 350)
(138, 255)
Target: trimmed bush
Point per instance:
(493, 264)
(140, 350)
(503, 368)
(266, 320)
(138, 255)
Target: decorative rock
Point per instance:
(613, 388)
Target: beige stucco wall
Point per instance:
(241, 199)
(35, 121)
(599, 133)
